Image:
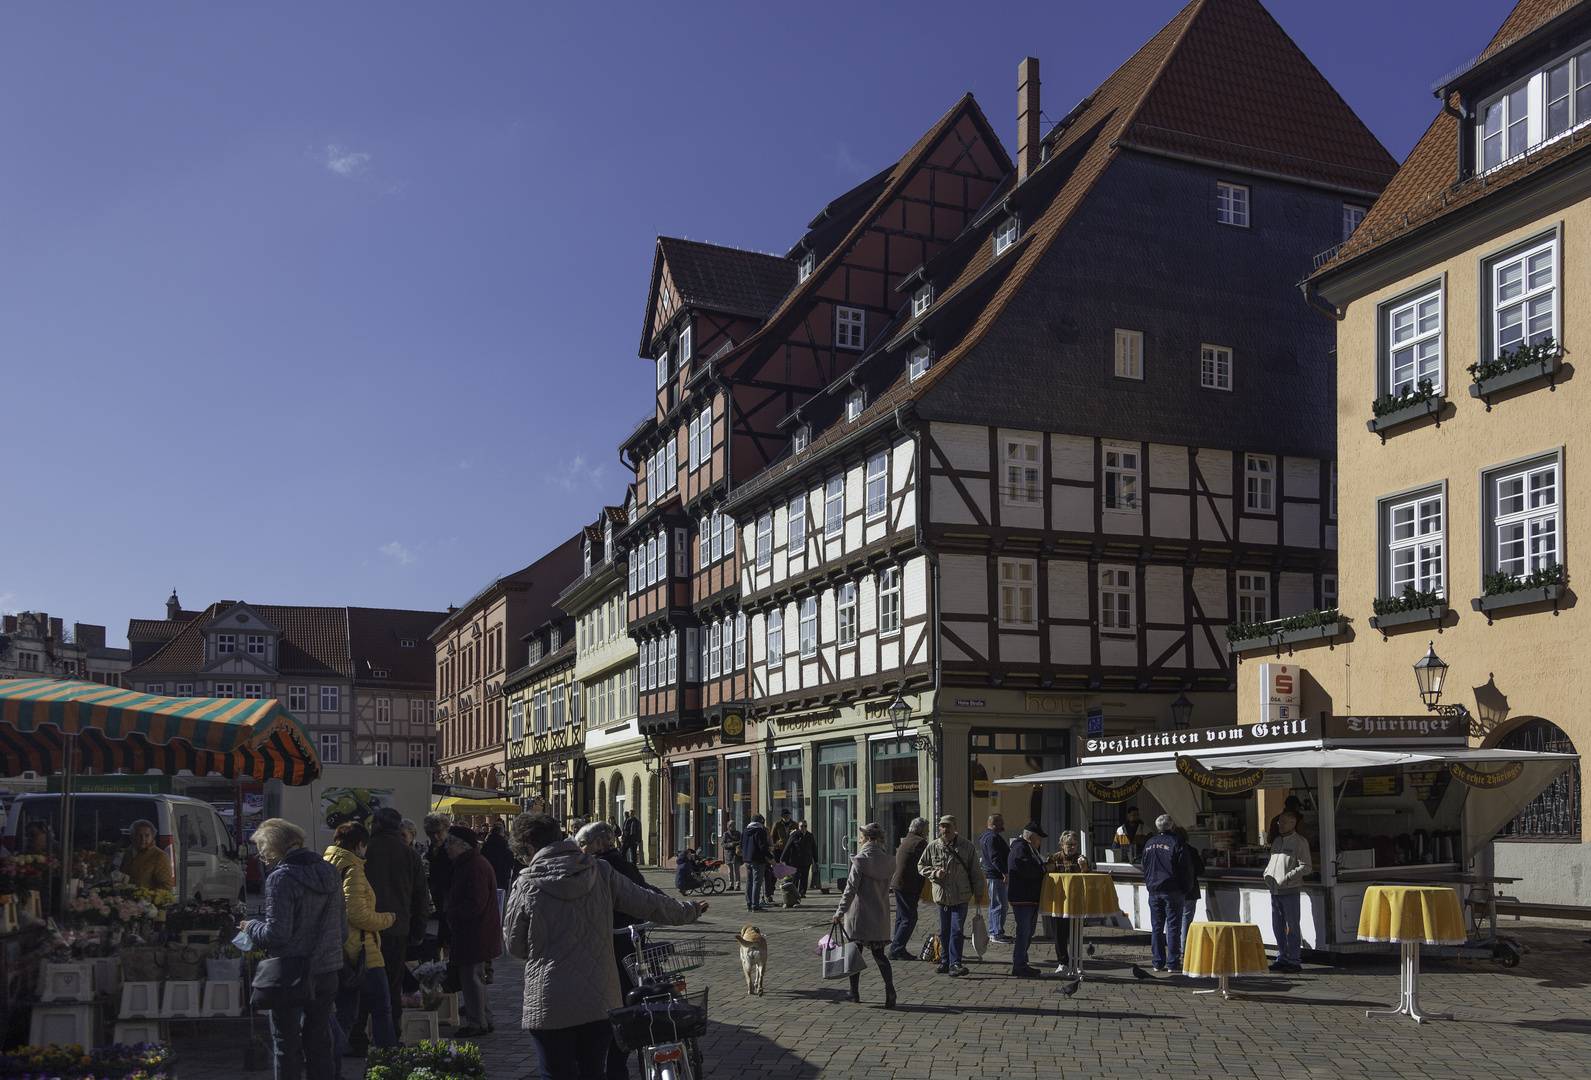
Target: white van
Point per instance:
(204, 862)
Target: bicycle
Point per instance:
(661, 1021)
(709, 882)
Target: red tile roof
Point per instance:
(1426, 187)
(725, 279)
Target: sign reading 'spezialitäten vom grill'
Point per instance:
(1308, 731)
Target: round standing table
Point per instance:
(1412, 915)
(1073, 897)
(1219, 950)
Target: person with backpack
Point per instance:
(951, 865)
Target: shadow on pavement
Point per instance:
(727, 1048)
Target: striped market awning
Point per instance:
(123, 731)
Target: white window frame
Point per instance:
(253, 691)
(704, 546)
(226, 643)
(877, 487)
(1008, 232)
(775, 621)
(801, 438)
(1328, 591)
(1215, 367)
(1259, 484)
(855, 403)
(796, 526)
(1351, 217)
(1129, 354)
(383, 752)
(918, 363)
(330, 748)
(1232, 204)
(1118, 600)
(330, 699)
(1524, 515)
(804, 268)
(764, 541)
(922, 300)
(1254, 598)
(1414, 331)
(685, 343)
(850, 328)
(182, 689)
(516, 719)
(297, 699)
(740, 640)
(847, 612)
(834, 506)
(1536, 303)
(255, 643)
(555, 708)
(809, 627)
(693, 651)
(715, 648)
(417, 755)
(383, 710)
(682, 548)
(1413, 541)
(715, 526)
(1123, 474)
(1019, 593)
(155, 688)
(1024, 471)
(889, 601)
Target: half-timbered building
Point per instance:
(545, 750)
(1093, 431)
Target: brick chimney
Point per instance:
(89, 635)
(1027, 118)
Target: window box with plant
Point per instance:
(1406, 406)
(1310, 626)
(1410, 606)
(1505, 590)
(1526, 364)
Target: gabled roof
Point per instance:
(723, 279)
(1427, 188)
(1221, 82)
(314, 641)
(375, 641)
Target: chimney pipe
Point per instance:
(1027, 123)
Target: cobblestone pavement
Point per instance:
(1528, 1021)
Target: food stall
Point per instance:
(1386, 799)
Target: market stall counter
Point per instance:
(1385, 800)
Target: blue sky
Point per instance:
(339, 304)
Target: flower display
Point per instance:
(145, 1061)
(439, 1059)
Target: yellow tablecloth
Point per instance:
(1431, 915)
(1075, 895)
(1223, 948)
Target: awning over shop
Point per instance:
(123, 731)
(452, 805)
(1324, 758)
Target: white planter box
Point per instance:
(133, 1032)
(139, 999)
(64, 1025)
(182, 997)
(418, 1026)
(223, 998)
(67, 982)
(107, 974)
(8, 917)
(448, 1011)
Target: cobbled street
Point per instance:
(1530, 1021)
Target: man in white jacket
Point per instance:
(560, 922)
(1284, 873)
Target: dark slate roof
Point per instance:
(375, 637)
(1427, 188)
(723, 279)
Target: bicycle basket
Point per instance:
(666, 960)
(637, 1026)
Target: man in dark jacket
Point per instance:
(477, 925)
(439, 870)
(779, 836)
(907, 885)
(631, 848)
(732, 854)
(759, 853)
(495, 851)
(801, 852)
(1024, 874)
(1168, 876)
(397, 875)
(993, 851)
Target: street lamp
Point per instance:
(1181, 712)
(1430, 673)
(900, 715)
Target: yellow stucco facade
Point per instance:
(1513, 664)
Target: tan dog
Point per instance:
(753, 956)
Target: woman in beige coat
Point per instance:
(864, 907)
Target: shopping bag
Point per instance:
(980, 934)
(927, 891)
(931, 950)
(781, 870)
(824, 942)
(841, 958)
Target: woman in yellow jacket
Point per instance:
(365, 923)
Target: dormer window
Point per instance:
(256, 644)
(586, 556)
(802, 438)
(685, 344)
(854, 403)
(805, 267)
(921, 299)
(1005, 234)
(1351, 217)
(406, 643)
(917, 364)
(1543, 106)
(607, 539)
(554, 639)
(226, 643)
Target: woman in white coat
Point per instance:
(864, 911)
